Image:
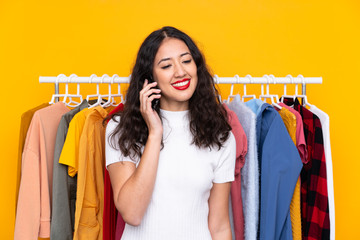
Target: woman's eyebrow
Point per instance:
(166, 59)
(184, 54)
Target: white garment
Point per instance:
(250, 171)
(325, 125)
(179, 207)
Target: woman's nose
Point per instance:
(179, 70)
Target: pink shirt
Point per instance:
(241, 150)
(34, 203)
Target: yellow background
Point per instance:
(312, 38)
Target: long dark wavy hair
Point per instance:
(208, 118)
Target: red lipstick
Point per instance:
(181, 84)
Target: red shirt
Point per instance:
(241, 150)
(110, 215)
(314, 196)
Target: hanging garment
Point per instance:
(70, 157)
(295, 212)
(300, 137)
(64, 186)
(120, 226)
(70, 152)
(24, 126)
(325, 123)
(280, 166)
(90, 185)
(235, 192)
(314, 198)
(296, 199)
(34, 204)
(250, 170)
(110, 211)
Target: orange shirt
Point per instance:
(90, 185)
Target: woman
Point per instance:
(171, 162)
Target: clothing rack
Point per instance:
(115, 79)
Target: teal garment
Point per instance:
(64, 186)
(280, 167)
(255, 105)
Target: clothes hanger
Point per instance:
(67, 96)
(263, 96)
(245, 95)
(304, 97)
(111, 97)
(296, 95)
(289, 96)
(231, 96)
(71, 102)
(97, 95)
(275, 96)
(55, 96)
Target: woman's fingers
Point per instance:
(147, 86)
(148, 97)
(152, 98)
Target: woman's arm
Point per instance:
(219, 223)
(133, 187)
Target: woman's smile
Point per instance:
(182, 84)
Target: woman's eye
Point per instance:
(164, 67)
(187, 61)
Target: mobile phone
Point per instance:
(155, 102)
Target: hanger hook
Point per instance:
(291, 78)
(113, 78)
(103, 77)
(216, 79)
(272, 77)
(57, 80)
(66, 86)
(267, 85)
(302, 79)
(292, 82)
(71, 77)
(92, 77)
(250, 79)
(296, 88)
(69, 81)
(237, 78)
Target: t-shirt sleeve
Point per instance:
(225, 170)
(113, 154)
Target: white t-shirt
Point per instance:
(178, 208)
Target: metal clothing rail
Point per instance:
(266, 79)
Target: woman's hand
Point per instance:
(150, 116)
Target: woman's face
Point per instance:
(176, 74)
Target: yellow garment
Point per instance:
(295, 212)
(24, 126)
(70, 152)
(90, 177)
